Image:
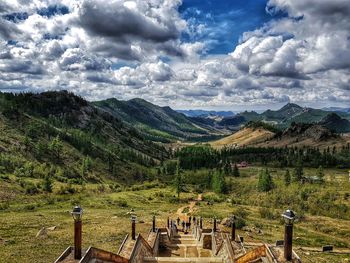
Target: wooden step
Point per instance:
(183, 260)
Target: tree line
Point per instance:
(204, 156)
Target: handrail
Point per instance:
(230, 251)
(144, 242)
(123, 243)
(100, 254)
(64, 254)
(154, 240)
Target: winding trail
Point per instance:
(190, 206)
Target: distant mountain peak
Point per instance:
(290, 105)
(331, 117)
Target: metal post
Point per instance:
(233, 231)
(201, 223)
(77, 239)
(133, 228)
(168, 224)
(154, 224)
(214, 225)
(288, 239)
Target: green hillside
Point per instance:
(155, 122)
(66, 136)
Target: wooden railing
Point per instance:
(99, 254)
(123, 243)
(140, 241)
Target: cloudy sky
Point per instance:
(213, 54)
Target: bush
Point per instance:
(4, 206)
(267, 213)
(68, 189)
(29, 207)
(30, 188)
(4, 177)
(241, 213)
(121, 203)
(240, 223)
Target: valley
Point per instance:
(106, 215)
(59, 150)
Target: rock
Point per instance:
(52, 228)
(226, 222)
(141, 221)
(247, 229)
(42, 232)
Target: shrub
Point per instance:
(4, 206)
(68, 189)
(240, 223)
(121, 203)
(267, 213)
(31, 188)
(29, 207)
(241, 213)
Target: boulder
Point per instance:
(226, 222)
(52, 228)
(42, 232)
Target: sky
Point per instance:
(188, 54)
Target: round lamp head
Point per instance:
(289, 217)
(133, 217)
(77, 213)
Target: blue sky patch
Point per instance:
(53, 10)
(15, 17)
(220, 23)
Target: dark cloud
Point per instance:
(21, 66)
(8, 30)
(117, 21)
(76, 59)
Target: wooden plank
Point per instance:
(252, 255)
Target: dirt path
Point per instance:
(190, 206)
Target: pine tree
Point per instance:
(298, 172)
(179, 184)
(265, 183)
(86, 166)
(320, 173)
(236, 171)
(287, 178)
(47, 184)
(56, 147)
(219, 184)
(227, 169)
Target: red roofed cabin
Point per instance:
(242, 164)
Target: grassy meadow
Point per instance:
(324, 211)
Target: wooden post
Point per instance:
(201, 223)
(133, 228)
(214, 225)
(154, 224)
(288, 239)
(77, 239)
(233, 231)
(168, 224)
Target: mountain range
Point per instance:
(156, 123)
(61, 130)
(284, 117)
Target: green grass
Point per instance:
(106, 218)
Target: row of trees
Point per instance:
(265, 182)
(204, 156)
(213, 180)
